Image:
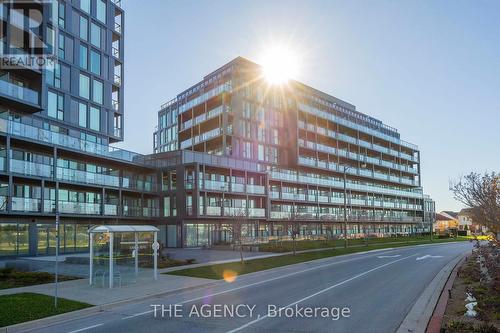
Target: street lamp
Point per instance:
(345, 168)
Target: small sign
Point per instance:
(155, 246)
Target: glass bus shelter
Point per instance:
(121, 254)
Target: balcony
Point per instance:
(78, 176)
(110, 210)
(256, 212)
(81, 208)
(255, 189)
(53, 138)
(214, 211)
(31, 168)
(20, 204)
(19, 97)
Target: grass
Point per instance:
(9, 278)
(230, 270)
(18, 308)
(287, 246)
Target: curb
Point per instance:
(79, 314)
(436, 320)
(422, 312)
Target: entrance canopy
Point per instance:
(119, 252)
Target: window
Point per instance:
(55, 105)
(95, 62)
(83, 56)
(85, 6)
(51, 36)
(166, 206)
(84, 28)
(62, 15)
(261, 153)
(247, 149)
(53, 75)
(82, 115)
(60, 47)
(101, 11)
(84, 86)
(97, 91)
(58, 13)
(95, 119)
(95, 35)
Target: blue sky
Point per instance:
(429, 68)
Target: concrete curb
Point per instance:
(79, 314)
(420, 314)
(434, 325)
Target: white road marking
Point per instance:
(320, 292)
(86, 328)
(428, 256)
(252, 284)
(394, 256)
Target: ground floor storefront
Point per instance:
(193, 234)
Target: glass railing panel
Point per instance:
(255, 189)
(30, 168)
(79, 208)
(236, 187)
(20, 204)
(21, 93)
(281, 215)
(256, 212)
(214, 211)
(110, 209)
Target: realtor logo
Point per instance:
(26, 40)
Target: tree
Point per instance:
(480, 193)
(236, 228)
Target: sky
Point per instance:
(431, 69)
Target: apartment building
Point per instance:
(283, 159)
(56, 126)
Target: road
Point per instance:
(369, 292)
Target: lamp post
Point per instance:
(346, 167)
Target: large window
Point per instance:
(82, 115)
(84, 28)
(60, 47)
(83, 56)
(101, 11)
(95, 62)
(85, 6)
(95, 35)
(55, 105)
(97, 91)
(53, 75)
(95, 119)
(84, 86)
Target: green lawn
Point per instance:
(220, 271)
(18, 308)
(10, 278)
(287, 246)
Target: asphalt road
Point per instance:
(370, 292)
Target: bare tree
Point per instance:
(480, 193)
(293, 228)
(236, 229)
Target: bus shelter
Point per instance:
(119, 254)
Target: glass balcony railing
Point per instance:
(256, 212)
(31, 168)
(18, 92)
(225, 87)
(216, 185)
(331, 117)
(214, 211)
(83, 208)
(236, 187)
(87, 177)
(20, 204)
(110, 209)
(255, 189)
(53, 138)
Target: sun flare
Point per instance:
(279, 64)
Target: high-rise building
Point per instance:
(56, 123)
(282, 159)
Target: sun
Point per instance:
(279, 65)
